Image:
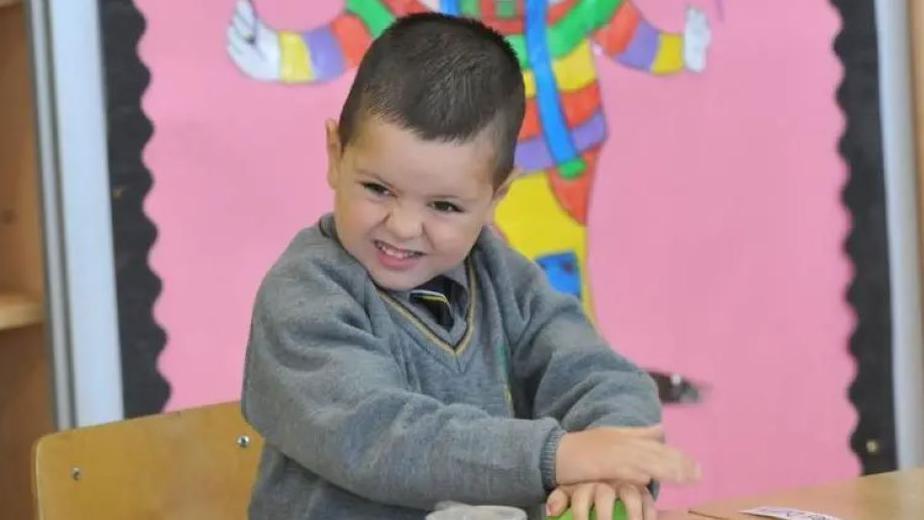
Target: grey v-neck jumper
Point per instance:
(368, 411)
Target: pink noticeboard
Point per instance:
(715, 229)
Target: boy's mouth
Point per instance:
(396, 252)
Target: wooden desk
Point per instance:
(681, 515)
(888, 496)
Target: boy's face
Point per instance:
(406, 208)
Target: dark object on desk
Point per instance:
(676, 389)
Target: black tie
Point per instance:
(432, 295)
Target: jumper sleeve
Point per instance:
(565, 368)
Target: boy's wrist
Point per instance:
(578, 453)
(567, 458)
(548, 460)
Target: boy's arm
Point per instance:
(328, 393)
(568, 371)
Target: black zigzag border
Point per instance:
(873, 439)
(145, 391)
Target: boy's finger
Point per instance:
(668, 464)
(632, 499)
(631, 475)
(604, 497)
(654, 432)
(648, 505)
(556, 503)
(581, 500)
(684, 469)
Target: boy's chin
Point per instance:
(395, 281)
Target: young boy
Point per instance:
(401, 354)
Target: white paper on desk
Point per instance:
(786, 513)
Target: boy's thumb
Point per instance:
(556, 503)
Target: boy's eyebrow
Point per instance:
(367, 173)
(450, 197)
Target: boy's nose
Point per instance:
(404, 223)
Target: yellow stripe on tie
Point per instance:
(573, 71)
(431, 298)
(295, 61)
(670, 54)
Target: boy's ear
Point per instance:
(501, 191)
(334, 151)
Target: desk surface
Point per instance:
(898, 495)
(680, 515)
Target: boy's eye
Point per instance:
(377, 189)
(445, 207)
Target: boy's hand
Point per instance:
(602, 496)
(629, 455)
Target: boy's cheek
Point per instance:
(456, 238)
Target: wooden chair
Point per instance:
(198, 464)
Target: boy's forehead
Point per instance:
(398, 154)
(373, 131)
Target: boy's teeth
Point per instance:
(397, 253)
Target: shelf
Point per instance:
(17, 310)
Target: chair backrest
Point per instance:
(198, 463)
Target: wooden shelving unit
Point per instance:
(25, 381)
(18, 310)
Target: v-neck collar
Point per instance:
(428, 327)
(456, 292)
(435, 334)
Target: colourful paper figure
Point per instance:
(545, 214)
